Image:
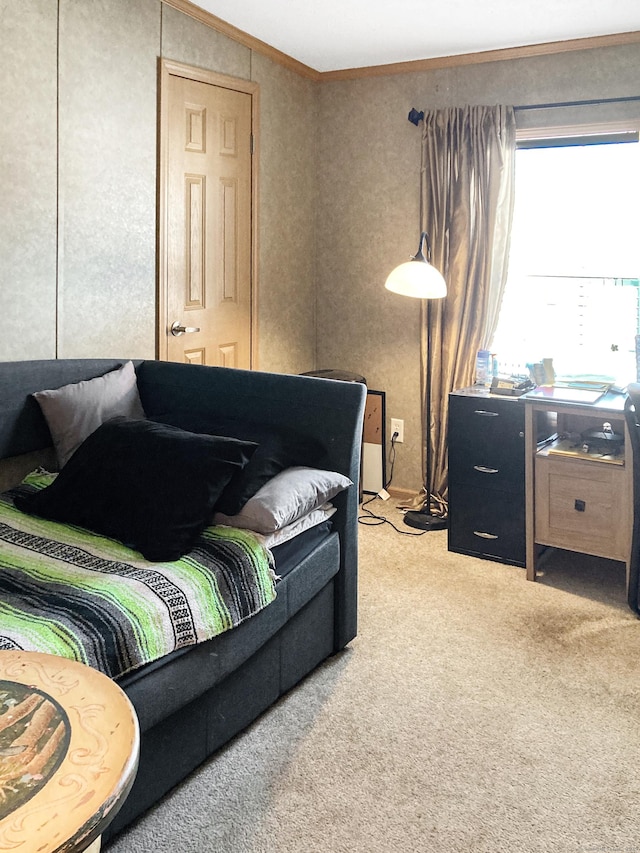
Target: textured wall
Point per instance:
(80, 200)
(28, 179)
(287, 218)
(186, 40)
(107, 178)
(368, 203)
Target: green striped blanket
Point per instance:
(70, 592)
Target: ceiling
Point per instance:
(330, 35)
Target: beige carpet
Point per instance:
(474, 712)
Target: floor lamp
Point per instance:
(420, 279)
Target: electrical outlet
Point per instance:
(397, 425)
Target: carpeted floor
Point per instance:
(474, 712)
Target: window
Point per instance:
(572, 293)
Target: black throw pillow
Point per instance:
(150, 485)
(278, 448)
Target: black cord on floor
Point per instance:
(370, 519)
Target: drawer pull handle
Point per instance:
(484, 535)
(484, 470)
(486, 414)
(580, 506)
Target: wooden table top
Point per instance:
(69, 744)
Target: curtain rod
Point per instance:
(415, 117)
(594, 102)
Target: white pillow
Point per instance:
(311, 519)
(286, 497)
(74, 411)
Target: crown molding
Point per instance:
(524, 52)
(243, 38)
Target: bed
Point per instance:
(297, 435)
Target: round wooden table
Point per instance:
(69, 744)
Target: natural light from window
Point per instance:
(572, 292)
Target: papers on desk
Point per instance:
(571, 392)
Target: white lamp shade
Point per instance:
(417, 278)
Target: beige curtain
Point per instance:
(468, 164)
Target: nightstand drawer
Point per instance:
(487, 524)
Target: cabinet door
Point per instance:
(486, 442)
(580, 506)
(487, 523)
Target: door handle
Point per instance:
(178, 329)
(484, 470)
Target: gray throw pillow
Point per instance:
(287, 497)
(74, 411)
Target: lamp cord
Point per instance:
(370, 519)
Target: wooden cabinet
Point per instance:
(577, 499)
(487, 475)
(580, 506)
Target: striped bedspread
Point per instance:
(69, 592)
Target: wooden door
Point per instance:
(207, 189)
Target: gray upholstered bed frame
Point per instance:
(194, 701)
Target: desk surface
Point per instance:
(562, 398)
(68, 752)
(611, 401)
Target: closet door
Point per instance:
(206, 194)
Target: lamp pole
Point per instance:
(420, 279)
(422, 519)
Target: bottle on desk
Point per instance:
(549, 372)
(483, 367)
